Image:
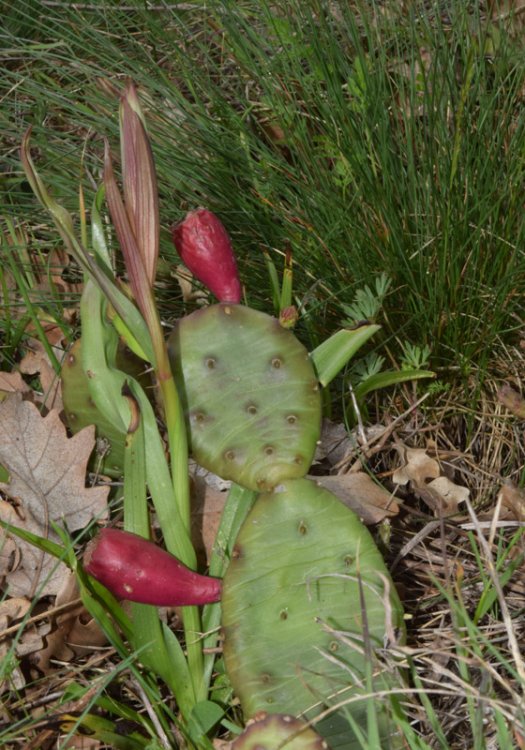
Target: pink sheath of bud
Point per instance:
(205, 249)
(288, 316)
(135, 569)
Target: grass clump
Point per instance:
(365, 140)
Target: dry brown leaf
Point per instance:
(12, 382)
(73, 632)
(81, 742)
(423, 472)
(10, 610)
(449, 495)
(14, 677)
(512, 400)
(418, 467)
(47, 484)
(184, 279)
(512, 499)
(335, 444)
(360, 493)
(36, 361)
(206, 510)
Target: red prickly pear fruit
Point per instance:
(205, 249)
(133, 568)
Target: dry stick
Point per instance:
(382, 437)
(161, 734)
(360, 426)
(52, 697)
(495, 519)
(409, 546)
(491, 525)
(49, 613)
(513, 643)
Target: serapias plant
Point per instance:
(308, 604)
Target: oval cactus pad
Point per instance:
(307, 605)
(250, 395)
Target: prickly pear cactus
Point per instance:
(250, 394)
(306, 601)
(80, 410)
(272, 731)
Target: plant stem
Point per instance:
(178, 446)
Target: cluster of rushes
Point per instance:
(304, 599)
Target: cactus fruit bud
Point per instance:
(133, 568)
(288, 316)
(205, 249)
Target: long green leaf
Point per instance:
(159, 650)
(388, 378)
(236, 508)
(332, 355)
(46, 545)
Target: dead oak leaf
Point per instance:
(47, 473)
(449, 495)
(73, 631)
(36, 361)
(12, 382)
(360, 493)
(10, 611)
(512, 400)
(424, 474)
(418, 467)
(512, 499)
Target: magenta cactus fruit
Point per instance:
(133, 568)
(205, 249)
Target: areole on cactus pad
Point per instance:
(250, 393)
(307, 606)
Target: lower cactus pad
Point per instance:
(272, 731)
(250, 395)
(308, 612)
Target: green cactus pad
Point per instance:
(306, 596)
(250, 395)
(272, 731)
